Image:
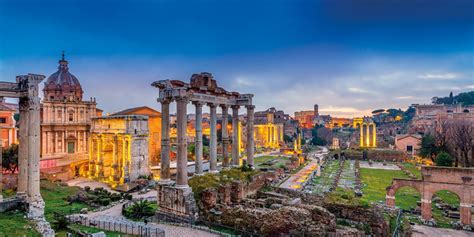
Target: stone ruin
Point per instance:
(248, 208)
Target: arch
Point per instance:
(399, 183)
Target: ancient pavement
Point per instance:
(426, 231)
(297, 180)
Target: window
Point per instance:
(410, 148)
(71, 117)
(3, 120)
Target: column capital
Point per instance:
(212, 105)
(224, 107)
(198, 103)
(183, 99)
(164, 100)
(250, 106)
(235, 106)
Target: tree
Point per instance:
(461, 135)
(444, 159)
(428, 148)
(10, 158)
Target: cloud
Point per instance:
(440, 76)
(408, 97)
(470, 87)
(359, 90)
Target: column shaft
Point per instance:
(198, 139)
(22, 190)
(34, 195)
(213, 140)
(165, 141)
(225, 137)
(235, 136)
(182, 159)
(250, 141)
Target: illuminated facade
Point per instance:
(154, 127)
(9, 131)
(269, 128)
(65, 117)
(368, 133)
(119, 148)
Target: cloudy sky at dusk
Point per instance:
(350, 57)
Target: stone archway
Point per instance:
(434, 179)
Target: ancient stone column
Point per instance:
(426, 207)
(235, 135)
(36, 204)
(250, 141)
(225, 136)
(198, 140)
(22, 190)
(213, 139)
(165, 141)
(182, 159)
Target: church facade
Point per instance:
(65, 116)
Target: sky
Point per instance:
(350, 57)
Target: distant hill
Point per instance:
(466, 98)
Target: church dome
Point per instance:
(62, 85)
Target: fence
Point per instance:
(131, 228)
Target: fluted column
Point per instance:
(182, 159)
(213, 139)
(225, 137)
(250, 141)
(165, 141)
(235, 135)
(198, 140)
(22, 190)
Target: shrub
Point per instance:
(139, 210)
(444, 159)
(87, 188)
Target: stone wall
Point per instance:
(176, 202)
(236, 191)
(377, 155)
(373, 217)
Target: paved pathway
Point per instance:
(296, 181)
(426, 231)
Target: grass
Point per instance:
(55, 196)
(413, 169)
(376, 180)
(282, 160)
(14, 224)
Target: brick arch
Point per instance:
(400, 183)
(434, 179)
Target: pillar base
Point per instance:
(165, 182)
(176, 203)
(213, 171)
(182, 186)
(35, 208)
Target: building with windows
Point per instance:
(65, 120)
(8, 129)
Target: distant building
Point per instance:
(65, 117)
(119, 148)
(65, 125)
(428, 117)
(408, 143)
(9, 131)
(154, 126)
(269, 128)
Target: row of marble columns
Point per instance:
(367, 135)
(181, 163)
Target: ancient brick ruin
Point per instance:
(456, 180)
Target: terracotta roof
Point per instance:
(135, 111)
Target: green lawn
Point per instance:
(55, 196)
(413, 169)
(13, 224)
(375, 181)
(281, 161)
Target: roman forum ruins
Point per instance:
(202, 90)
(26, 90)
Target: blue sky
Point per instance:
(350, 57)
